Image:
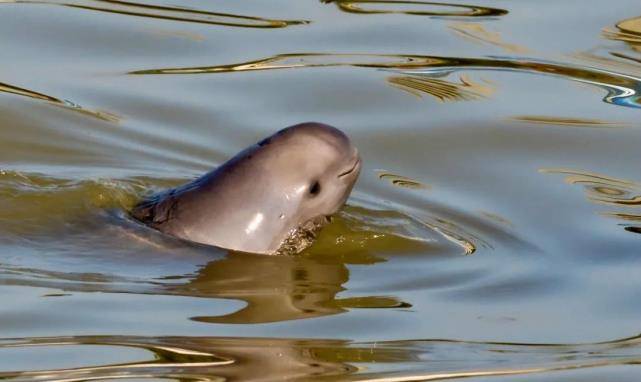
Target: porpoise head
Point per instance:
(271, 195)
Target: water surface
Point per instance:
(494, 233)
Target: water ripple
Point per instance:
(168, 13)
(628, 30)
(603, 189)
(622, 89)
(253, 359)
(401, 181)
(417, 8)
(442, 90)
(81, 222)
(566, 121)
(608, 191)
(477, 33)
(11, 89)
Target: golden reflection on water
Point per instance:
(566, 121)
(609, 60)
(260, 359)
(623, 216)
(454, 233)
(278, 288)
(628, 30)
(442, 90)
(177, 33)
(401, 181)
(307, 60)
(273, 288)
(477, 33)
(603, 189)
(402, 257)
(622, 89)
(167, 13)
(418, 8)
(606, 190)
(105, 116)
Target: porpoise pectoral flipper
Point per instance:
(270, 196)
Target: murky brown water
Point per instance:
(494, 233)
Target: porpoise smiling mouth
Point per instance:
(351, 170)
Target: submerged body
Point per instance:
(269, 196)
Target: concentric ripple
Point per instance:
(98, 238)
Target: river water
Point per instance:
(494, 233)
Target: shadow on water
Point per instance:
(167, 13)
(254, 359)
(622, 89)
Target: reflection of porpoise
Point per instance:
(269, 197)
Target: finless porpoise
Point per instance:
(272, 197)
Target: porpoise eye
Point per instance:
(315, 188)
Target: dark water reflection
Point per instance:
(494, 232)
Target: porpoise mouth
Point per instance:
(351, 169)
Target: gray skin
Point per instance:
(259, 199)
